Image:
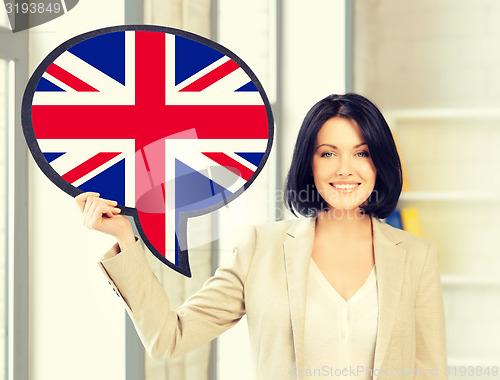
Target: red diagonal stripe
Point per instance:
(69, 79)
(211, 77)
(230, 164)
(89, 165)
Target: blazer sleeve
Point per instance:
(430, 321)
(167, 333)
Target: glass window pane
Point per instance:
(3, 207)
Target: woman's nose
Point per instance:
(344, 167)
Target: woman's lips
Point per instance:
(345, 186)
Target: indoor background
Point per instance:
(432, 66)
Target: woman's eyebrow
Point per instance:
(357, 146)
(334, 147)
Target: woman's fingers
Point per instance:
(102, 215)
(97, 214)
(94, 208)
(95, 220)
(90, 207)
(85, 200)
(81, 199)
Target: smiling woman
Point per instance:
(338, 289)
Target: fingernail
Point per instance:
(117, 209)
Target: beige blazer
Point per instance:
(266, 280)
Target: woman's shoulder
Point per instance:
(274, 231)
(283, 228)
(404, 238)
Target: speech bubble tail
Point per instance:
(182, 265)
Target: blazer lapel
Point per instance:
(297, 250)
(389, 260)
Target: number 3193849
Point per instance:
(33, 8)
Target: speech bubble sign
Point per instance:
(169, 124)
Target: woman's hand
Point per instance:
(102, 215)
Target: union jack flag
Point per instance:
(163, 121)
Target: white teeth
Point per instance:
(344, 186)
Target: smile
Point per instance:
(345, 186)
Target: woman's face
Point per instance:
(343, 171)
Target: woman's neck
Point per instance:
(344, 222)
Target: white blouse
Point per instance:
(340, 335)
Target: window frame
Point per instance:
(15, 51)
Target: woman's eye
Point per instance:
(327, 154)
(363, 154)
